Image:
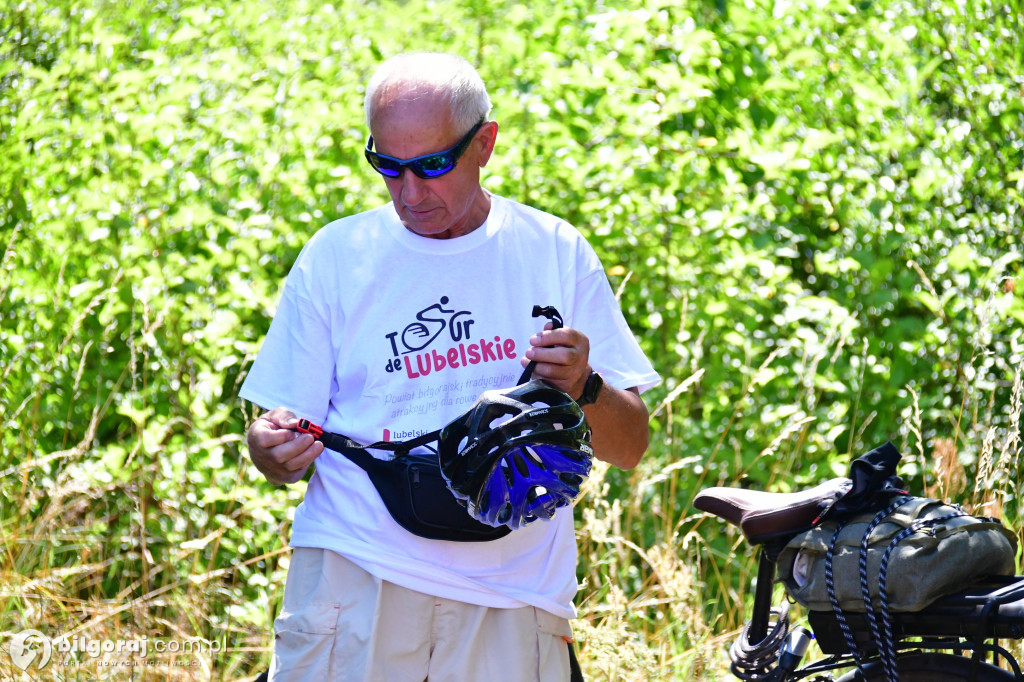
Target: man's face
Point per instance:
(448, 206)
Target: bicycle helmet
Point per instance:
(517, 455)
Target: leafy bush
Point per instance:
(812, 212)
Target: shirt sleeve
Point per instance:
(614, 351)
(295, 367)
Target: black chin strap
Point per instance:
(556, 323)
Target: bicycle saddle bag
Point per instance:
(929, 549)
(882, 549)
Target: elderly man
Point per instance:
(391, 323)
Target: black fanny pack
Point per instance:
(412, 488)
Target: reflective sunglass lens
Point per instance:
(384, 167)
(436, 164)
(432, 173)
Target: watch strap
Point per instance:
(591, 389)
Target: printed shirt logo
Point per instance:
(441, 340)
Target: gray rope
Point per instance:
(887, 643)
(865, 587)
(830, 584)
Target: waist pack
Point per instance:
(901, 558)
(412, 488)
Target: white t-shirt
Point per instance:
(381, 334)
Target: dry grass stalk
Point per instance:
(1009, 452)
(914, 424)
(950, 479)
(795, 426)
(984, 496)
(683, 387)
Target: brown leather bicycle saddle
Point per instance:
(763, 516)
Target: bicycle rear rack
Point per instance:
(965, 621)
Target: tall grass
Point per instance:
(108, 556)
(159, 171)
(168, 533)
(663, 593)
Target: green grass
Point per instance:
(811, 212)
(95, 551)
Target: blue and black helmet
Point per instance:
(517, 455)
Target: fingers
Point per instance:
(562, 357)
(278, 451)
(281, 417)
(273, 429)
(303, 451)
(565, 347)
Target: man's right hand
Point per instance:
(281, 453)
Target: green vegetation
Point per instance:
(812, 210)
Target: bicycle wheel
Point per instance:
(932, 667)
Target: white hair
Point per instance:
(447, 74)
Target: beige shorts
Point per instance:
(341, 623)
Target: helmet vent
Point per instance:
(534, 456)
(498, 420)
(521, 466)
(517, 455)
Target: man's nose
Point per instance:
(413, 187)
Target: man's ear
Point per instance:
(486, 137)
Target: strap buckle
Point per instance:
(552, 314)
(306, 426)
(549, 312)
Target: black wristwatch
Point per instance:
(590, 389)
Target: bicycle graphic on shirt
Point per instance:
(430, 323)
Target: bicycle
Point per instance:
(948, 641)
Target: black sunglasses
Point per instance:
(427, 166)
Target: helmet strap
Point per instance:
(556, 323)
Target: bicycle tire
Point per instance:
(932, 667)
